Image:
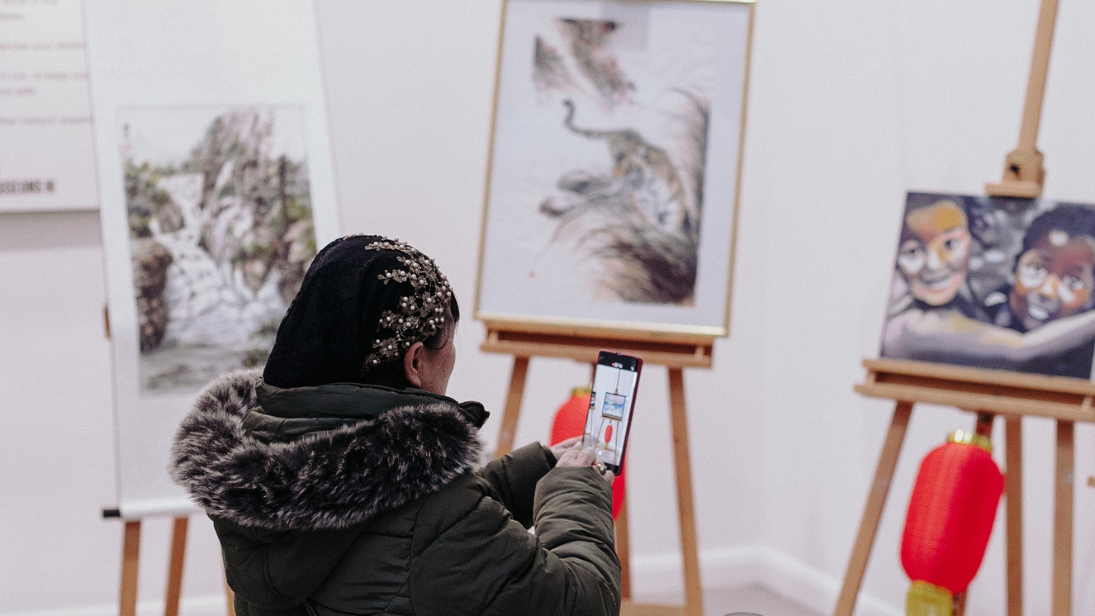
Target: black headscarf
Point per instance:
(329, 329)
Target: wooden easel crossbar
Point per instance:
(998, 391)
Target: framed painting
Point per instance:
(215, 187)
(994, 283)
(615, 164)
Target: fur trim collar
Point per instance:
(326, 479)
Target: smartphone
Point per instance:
(608, 420)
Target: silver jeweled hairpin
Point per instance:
(419, 315)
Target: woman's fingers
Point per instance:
(561, 448)
(570, 443)
(575, 456)
(569, 458)
(586, 457)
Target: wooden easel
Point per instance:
(676, 352)
(1011, 394)
(131, 549)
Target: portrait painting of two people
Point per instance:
(994, 283)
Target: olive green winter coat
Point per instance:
(354, 499)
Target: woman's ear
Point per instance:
(412, 364)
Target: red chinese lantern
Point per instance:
(570, 420)
(951, 512)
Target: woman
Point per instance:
(341, 480)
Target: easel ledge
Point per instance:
(997, 391)
(675, 350)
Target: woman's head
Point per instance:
(370, 310)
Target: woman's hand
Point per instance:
(570, 453)
(558, 449)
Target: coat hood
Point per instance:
(327, 457)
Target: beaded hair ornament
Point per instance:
(419, 316)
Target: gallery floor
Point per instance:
(752, 599)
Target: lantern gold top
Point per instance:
(966, 437)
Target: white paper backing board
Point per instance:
(147, 59)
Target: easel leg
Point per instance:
(693, 590)
(131, 550)
(872, 513)
(230, 597)
(623, 550)
(1062, 523)
(513, 406)
(959, 603)
(1013, 484)
(175, 568)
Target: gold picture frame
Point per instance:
(609, 208)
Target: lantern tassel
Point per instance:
(926, 599)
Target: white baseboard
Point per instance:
(658, 576)
(654, 576)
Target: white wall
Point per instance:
(851, 104)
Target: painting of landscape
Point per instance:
(220, 234)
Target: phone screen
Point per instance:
(610, 405)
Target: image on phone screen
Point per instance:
(610, 407)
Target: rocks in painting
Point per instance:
(151, 261)
(185, 191)
(170, 217)
(255, 273)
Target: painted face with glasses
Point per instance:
(1054, 278)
